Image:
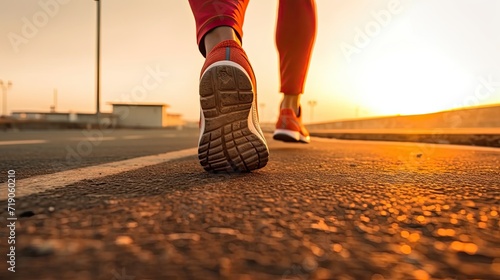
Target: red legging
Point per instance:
(295, 33)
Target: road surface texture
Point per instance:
(329, 210)
(43, 152)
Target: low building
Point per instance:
(133, 115)
(150, 115)
(71, 117)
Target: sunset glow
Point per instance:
(370, 58)
(410, 82)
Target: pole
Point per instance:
(5, 88)
(312, 103)
(312, 112)
(98, 62)
(55, 99)
(4, 109)
(4, 91)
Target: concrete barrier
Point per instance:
(478, 126)
(479, 117)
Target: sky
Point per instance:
(371, 57)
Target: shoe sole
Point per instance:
(290, 136)
(229, 141)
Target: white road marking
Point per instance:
(131, 137)
(22, 142)
(41, 183)
(408, 144)
(92, 139)
(169, 135)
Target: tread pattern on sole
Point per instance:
(227, 144)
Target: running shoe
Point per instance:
(230, 136)
(289, 127)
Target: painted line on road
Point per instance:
(41, 183)
(169, 135)
(109, 138)
(22, 142)
(408, 144)
(133, 137)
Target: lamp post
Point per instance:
(5, 87)
(312, 103)
(262, 106)
(98, 61)
(53, 108)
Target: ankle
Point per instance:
(218, 35)
(291, 101)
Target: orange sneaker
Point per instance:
(230, 136)
(289, 127)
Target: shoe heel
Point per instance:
(227, 143)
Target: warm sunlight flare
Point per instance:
(370, 58)
(410, 81)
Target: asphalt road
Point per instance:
(43, 152)
(329, 210)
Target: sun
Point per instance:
(411, 81)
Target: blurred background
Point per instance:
(371, 58)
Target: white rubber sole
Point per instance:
(286, 135)
(230, 136)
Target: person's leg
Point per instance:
(230, 135)
(217, 35)
(295, 34)
(212, 19)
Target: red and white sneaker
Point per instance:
(230, 136)
(289, 127)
